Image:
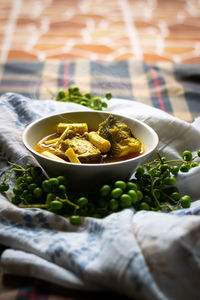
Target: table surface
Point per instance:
(149, 30)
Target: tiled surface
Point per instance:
(149, 30)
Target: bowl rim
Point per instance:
(149, 128)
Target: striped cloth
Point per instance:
(169, 87)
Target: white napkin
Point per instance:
(144, 255)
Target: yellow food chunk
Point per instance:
(71, 155)
(127, 146)
(52, 141)
(71, 130)
(52, 156)
(102, 144)
(75, 127)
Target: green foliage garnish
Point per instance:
(153, 188)
(157, 180)
(86, 99)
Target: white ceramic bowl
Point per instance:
(87, 176)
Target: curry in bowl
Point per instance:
(112, 141)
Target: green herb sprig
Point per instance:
(157, 179)
(86, 99)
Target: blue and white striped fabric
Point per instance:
(143, 255)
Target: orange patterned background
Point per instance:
(149, 30)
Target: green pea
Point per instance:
(187, 155)
(175, 170)
(108, 95)
(184, 168)
(198, 153)
(158, 166)
(104, 104)
(169, 180)
(105, 190)
(164, 167)
(116, 193)
(163, 159)
(61, 94)
(133, 195)
(144, 206)
(113, 204)
(15, 200)
(28, 179)
(4, 187)
(185, 201)
(62, 189)
(82, 201)
(28, 196)
(20, 180)
(96, 101)
(75, 219)
(16, 191)
(56, 205)
(50, 197)
(140, 170)
(46, 185)
(125, 201)
(139, 195)
(175, 196)
(131, 186)
(62, 179)
(37, 192)
(73, 89)
(87, 95)
(32, 186)
(53, 182)
(120, 184)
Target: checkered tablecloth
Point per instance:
(169, 87)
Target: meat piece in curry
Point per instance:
(122, 139)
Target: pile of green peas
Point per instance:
(121, 195)
(153, 188)
(86, 99)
